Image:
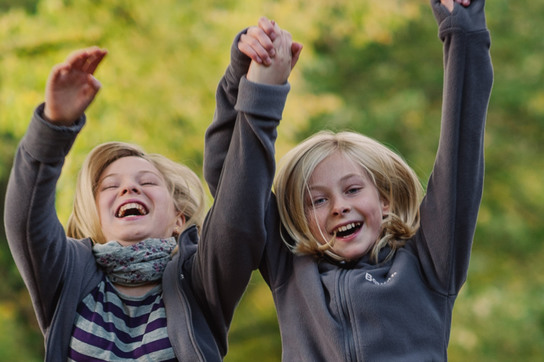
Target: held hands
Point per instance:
(470, 16)
(71, 86)
(449, 3)
(272, 51)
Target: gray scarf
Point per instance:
(135, 264)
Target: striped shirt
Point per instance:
(111, 326)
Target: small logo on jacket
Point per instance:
(371, 279)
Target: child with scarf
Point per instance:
(137, 275)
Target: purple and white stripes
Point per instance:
(111, 326)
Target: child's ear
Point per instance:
(385, 207)
(180, 221)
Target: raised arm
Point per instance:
(36, 237)
(233, 236)
(450, 208)
(252, 44)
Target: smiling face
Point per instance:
(134, 202)
(343, 203)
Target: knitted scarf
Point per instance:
(135, 264)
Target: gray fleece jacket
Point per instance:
(399, 310)
(206, 278)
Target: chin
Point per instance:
(353, 254)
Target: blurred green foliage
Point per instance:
(374, 67)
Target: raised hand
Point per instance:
(71, 86)
(449, 3)
(272, 50)
(257, 42)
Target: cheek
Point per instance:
(99, 204)
(378, 217)
(102, 203)
(316, 223)
(310, 217)
(171, 212)
(104, 207)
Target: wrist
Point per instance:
(50, 117)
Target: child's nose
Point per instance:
(341, 207)
(130, 188)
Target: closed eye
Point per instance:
(149, 179)
(108, 187)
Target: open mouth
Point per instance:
(131, 209)
(347, 230)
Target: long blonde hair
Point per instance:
(396, 182)
(184, 185)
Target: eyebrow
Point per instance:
(342, 179)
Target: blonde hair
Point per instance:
(184, 186)
(396, 182)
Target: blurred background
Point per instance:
(370, 66)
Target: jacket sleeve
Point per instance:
(36, 237)
(450, 208)
(233, 236)
(219, 133)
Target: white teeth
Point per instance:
(132, 205)
(346, 227)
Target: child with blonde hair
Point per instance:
(139, 274)
(362, 267)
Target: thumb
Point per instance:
(94, 83)
(296, 49)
